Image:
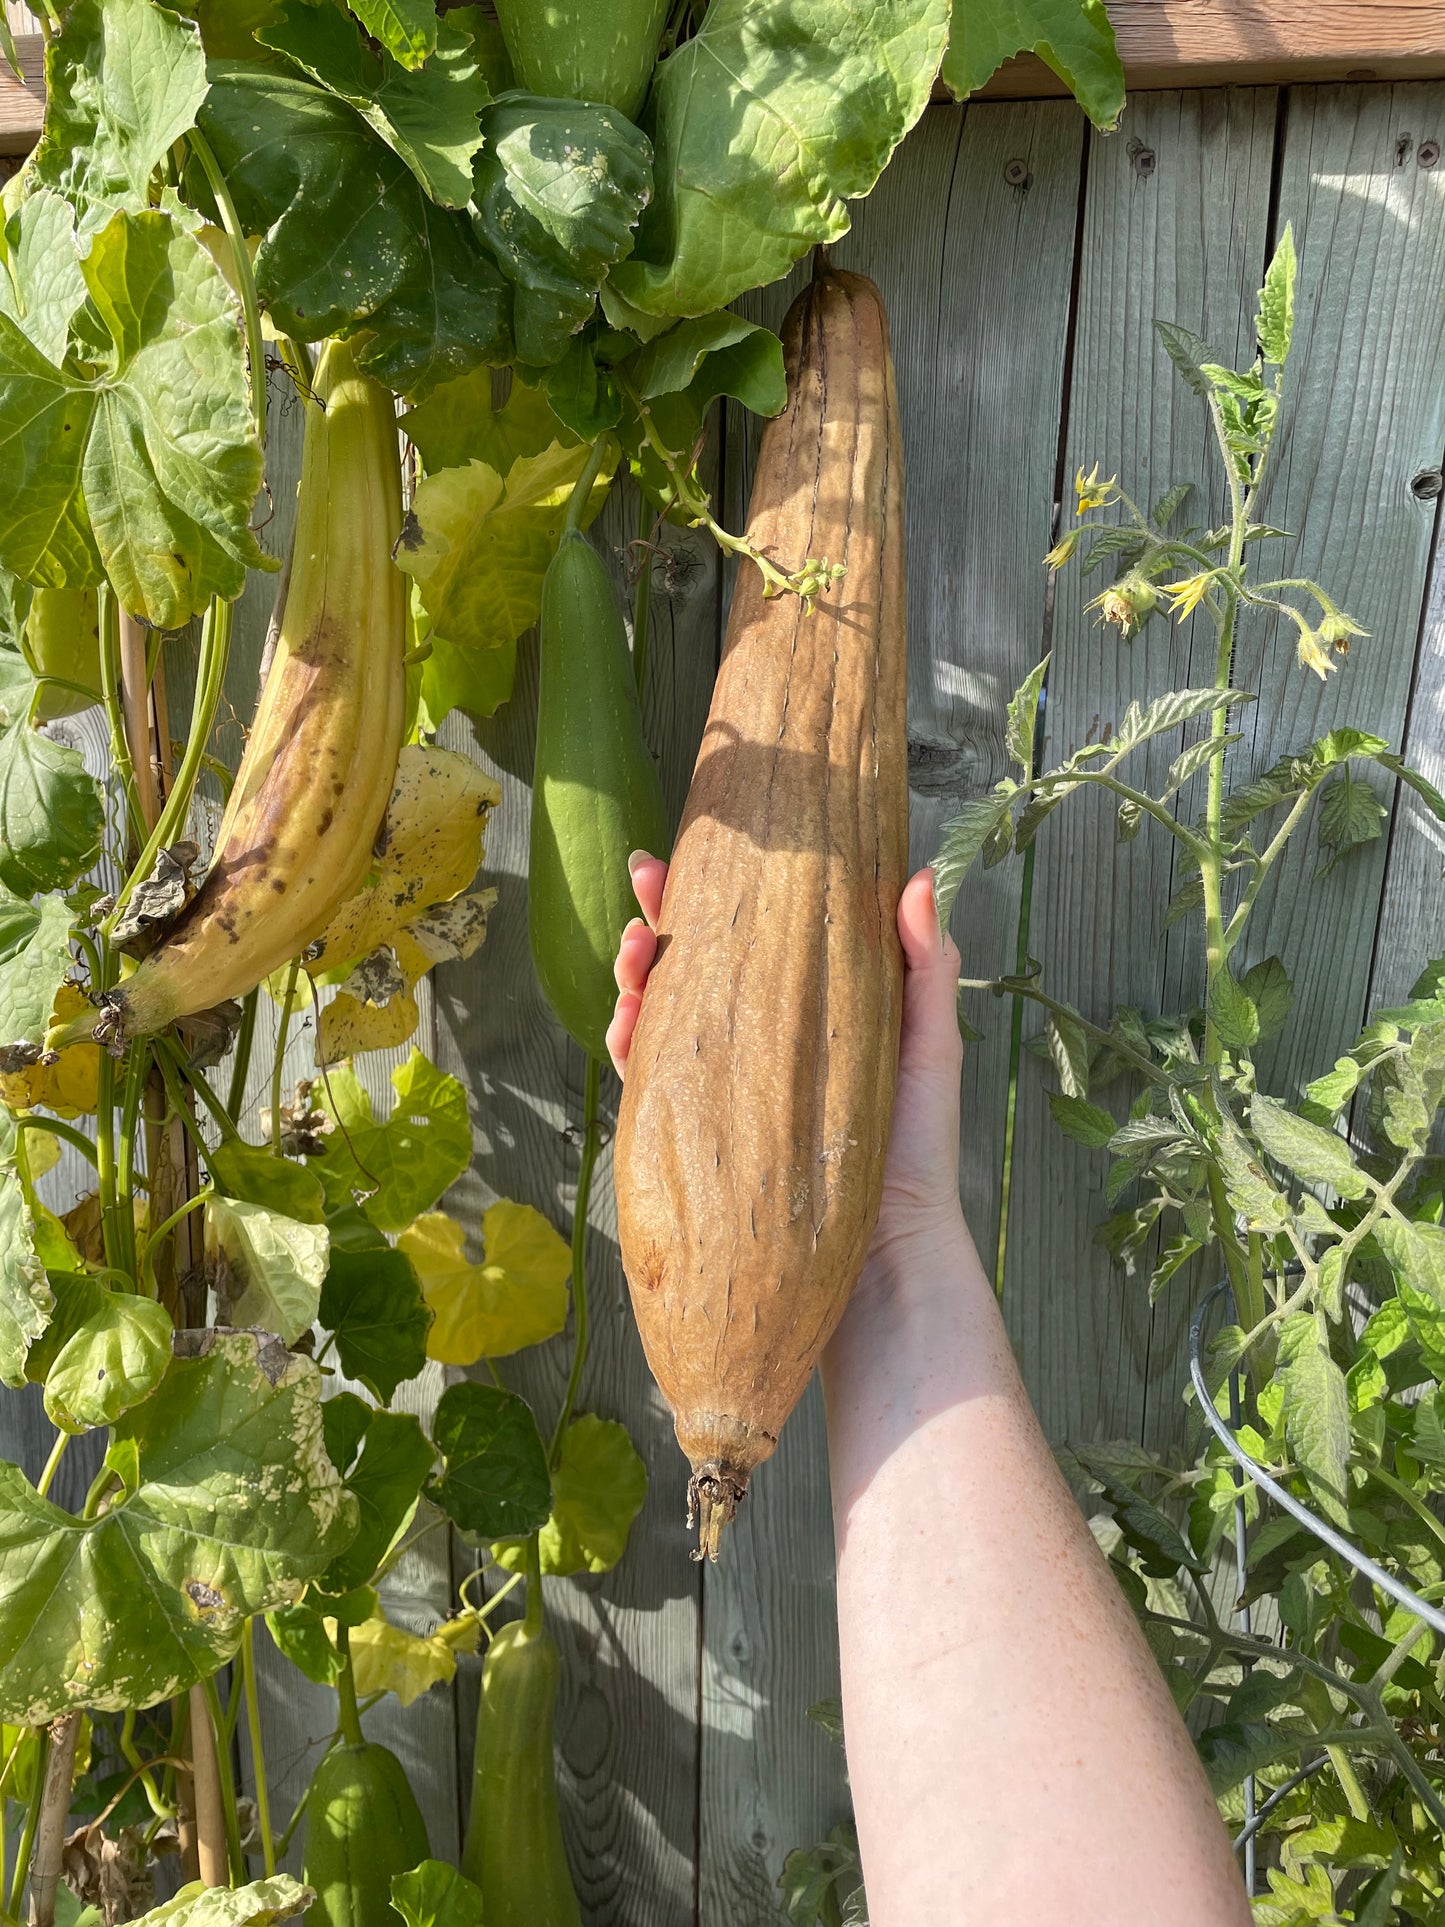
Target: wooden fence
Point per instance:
(1023, 259)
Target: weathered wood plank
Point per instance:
(1180, 43)
(1358, 456)
(627, 1723)
(1181, 236)
(970, 236)
(1412, 910)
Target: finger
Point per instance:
(930, 984)
(619, 1031)
(635, 954)
(648, 874)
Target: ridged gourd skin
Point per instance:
(598, 50)
(363, 1826)
(755, 1114)
(298, 833)
(514, 1850)
(596, 795)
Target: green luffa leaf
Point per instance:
(436, 1895)
(104, 1352)
(764, 125)
(405, 1161)
(51, 813)
(494, 1482)
(406, 28)
(396, 1457)
(408, 276)
(373, 1302)
(597, 1491)
(34, 959)
(26, 1300)
(429, 118)
(143, 456)
(1073, 37)
(229, 1505)
(123, 81)
(41, 285)
(559, 187)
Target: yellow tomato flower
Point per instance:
(1092, 492)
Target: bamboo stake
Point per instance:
(54, 1812)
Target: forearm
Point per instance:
(1015, 1757)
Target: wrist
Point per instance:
(916, 1251)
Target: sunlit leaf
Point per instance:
(516, 1297)
(597, 1491)
(401, 1164)
(1073, 37)
(389, 1659)
(266, 1268)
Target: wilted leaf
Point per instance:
(257, 1905)
(389, 1659)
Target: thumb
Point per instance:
(930, 982)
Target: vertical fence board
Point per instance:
(1365, 418)
(627, 1724)
(1175, 228)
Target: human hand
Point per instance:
(920, 1182)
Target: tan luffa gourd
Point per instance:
(759, 1091)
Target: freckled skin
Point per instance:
(317, 773)
(755, 1114)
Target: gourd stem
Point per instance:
(351, 1731)
(245, 277)
(591, 1140)
(532, 1554)
(241, 1064)
(53, 1127)
(221, 1739)
(577, 502)
(642, 605)
(27, 1835)
(278, 1062)
(210, 679)
(109, 611)
(258, 1757)
(52, 1464)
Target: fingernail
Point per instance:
(637, 856)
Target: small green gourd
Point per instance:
(362, 1826)
(514, 1851)
(596, 796)
(600, 50)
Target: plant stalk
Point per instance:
(591, 1143)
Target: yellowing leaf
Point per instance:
(516, 1297)
(431, 843)
(68, 1086)
(387, 1659)
(478, 545)
(350, 1026)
